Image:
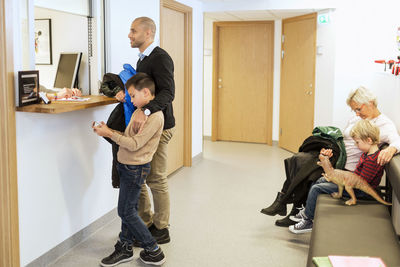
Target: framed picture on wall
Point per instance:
(28, 84)
(43, 53)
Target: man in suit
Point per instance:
(155, 62)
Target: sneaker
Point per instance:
(304, 226)
(301, 215)
(122, 253)
(160, 235)
(156, 257)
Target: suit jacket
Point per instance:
(160, 67)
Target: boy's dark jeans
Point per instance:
(322, 186)
(131, 179)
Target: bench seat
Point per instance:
(365, 229)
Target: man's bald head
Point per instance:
(148, 24)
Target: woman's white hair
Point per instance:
(362, 95)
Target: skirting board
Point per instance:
(196, 159)
(62, 248)
(207, 137)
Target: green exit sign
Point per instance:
(324, 18)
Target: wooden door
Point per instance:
(243, 81)
(296, 116)
(9, 222)
(175, 25)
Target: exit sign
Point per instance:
(324, 19)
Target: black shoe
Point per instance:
(122, 253)
(152, 257)
(160, 235)
(277, 207)
(286, 222)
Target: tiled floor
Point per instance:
(215, 214)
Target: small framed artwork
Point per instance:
(43, 53)
(28, 83)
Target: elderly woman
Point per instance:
(363, 102)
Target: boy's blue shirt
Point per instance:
(129, 108)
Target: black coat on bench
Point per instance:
(302, 169)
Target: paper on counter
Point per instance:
(74, 99)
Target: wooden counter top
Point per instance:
(67, 106)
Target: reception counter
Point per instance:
(67, 106)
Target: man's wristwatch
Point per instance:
(146, 111)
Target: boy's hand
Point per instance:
(120, 96)
(326, 152)
(102, 129)
(139, 120)
(386, 155)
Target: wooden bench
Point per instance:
(365, 229)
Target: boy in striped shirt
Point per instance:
(366, 137)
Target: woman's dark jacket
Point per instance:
(302, 169)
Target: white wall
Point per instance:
(197, 75)
(277, 79)
(69, 33)
(325, 72)
(366, 32)
(64, 177)
(121, 13)
(64, 170)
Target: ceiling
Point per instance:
(244, 15)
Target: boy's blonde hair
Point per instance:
(365, 129)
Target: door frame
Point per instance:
(9, 221)
(187, 127)
(216, 27)
(294, 19)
